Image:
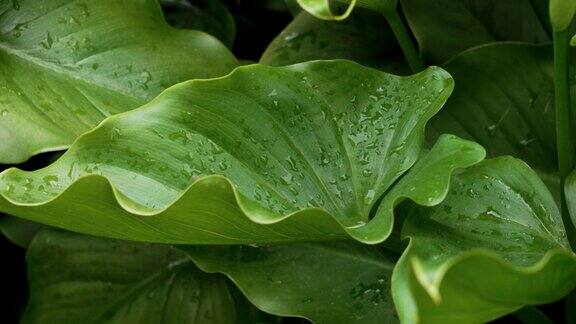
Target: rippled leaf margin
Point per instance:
(212, 209)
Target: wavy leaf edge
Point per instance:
(262, 216)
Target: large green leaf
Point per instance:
(494, 244)
(339, 282)
(65, 65)
(263, 155)
(444, 28)
(308, 38)
(81, 279)
(504, 100)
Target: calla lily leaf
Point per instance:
(273, 278)
(308, 38)
(80, 279)
(66, 65)
(262, 155)
(494, 244)
(512, 106)
(444, 28)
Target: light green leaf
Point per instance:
(65, 65)
(570, 194)
(444, 28)
(213, 18)
(321, 9)
(81, 279)
(340, 282)
(308, 38)
(562, 13)
(263, 155)
(494, 244)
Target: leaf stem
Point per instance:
(403, 37)
(532, 315)
(564, 136)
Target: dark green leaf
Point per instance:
(308, 38)
(340, 282)
(444, 28)
(18, 230)
(213, 18)
(81, 279)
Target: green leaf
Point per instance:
(446, 27)
(570, 194)
(562, 13)
(308, 38)
(19, 231)
(262, 155)
(504, 101)
(65, 65)
(81, 279)
(340, 282)
(494, 244)
(321, 9)
(213, 18)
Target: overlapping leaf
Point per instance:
(65, 65)
(213, 18)
(262, 155)
(82, 279)
(339, 282)
(495, 244)
(445, 28)
(309, 38)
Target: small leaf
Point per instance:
(340, 282)
(321, 9)
(444, 28)
(213, 18)
(562, 13)
(308, 38)
(81, 279)
(66, 65)
(19, 231)
(262, 155)
(494, 244)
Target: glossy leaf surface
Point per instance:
(444, 28)
(65, 65)
(495, 244)
(339, 282)
(81, 279)
(262, 155)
